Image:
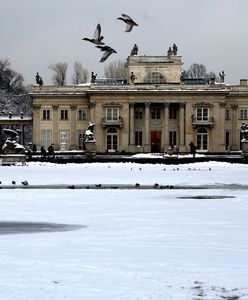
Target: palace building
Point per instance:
(154, 109)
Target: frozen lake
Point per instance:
(123, 244)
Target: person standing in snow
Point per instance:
(192, 148)
(43, 152)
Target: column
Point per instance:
(182, 127)
(92, 106)
(147, 146)
(73, 145)
(131, 124)
(55, 127)
(221, 146)
(36, 125)
(166, 126)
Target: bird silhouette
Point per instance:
(129, 21)
(107, 52)
(25, 183)
(97, 39)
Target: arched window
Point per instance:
(202, 139)
(112, 139)
(154, 77)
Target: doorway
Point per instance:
(155, 141)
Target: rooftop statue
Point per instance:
(222, 76)
(174, 49)
(134, 50)
(38, 78)
(93, 77)
(132, 77)
(169, 52)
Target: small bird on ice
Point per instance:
(97, 39)
(129, 21)
(108, 51)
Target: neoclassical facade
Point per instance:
(149, 113)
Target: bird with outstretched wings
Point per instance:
(129, 21)
(107, 52)
(97, 39)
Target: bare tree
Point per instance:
(9, 79)
(115, 69)
(196, 71)
(199, 71)
(13, 95)
(80, 74)
(59, 75)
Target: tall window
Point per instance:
(112, 113)
(155, 112)
(243, 114)
(172, 113)
(227, 114)
(64, 114)
(112, 139)
(82, 114)
(138, 138)
(138, 113)
(173, 138)
(227, 140)
(46, 114)
(46, 138)
(80, 139)
(202, 139)
(202, 114)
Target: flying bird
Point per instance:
(107, 52)
(97, 39)
(129, 21)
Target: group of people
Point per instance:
(47, 154)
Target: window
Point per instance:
(46, 114)
(138, 138)
(46, 138)
(202, 139)
(82, 114)
(138, 113)
(112, 142)
(173, 138)
(64, 114)
(227, 114)
(155, 77)
(227, 140)
(80, 143)
(172, 113)
(155, 112)
(243, 114)
(112, 114)
(202, 114)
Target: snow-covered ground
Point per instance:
(175, 244)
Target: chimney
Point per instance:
(243, 82)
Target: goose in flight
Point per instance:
(129, 21)
(97, 39)
(107, 52)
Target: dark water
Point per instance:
(9, 227)
(205, 197)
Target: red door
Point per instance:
(155, 141)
